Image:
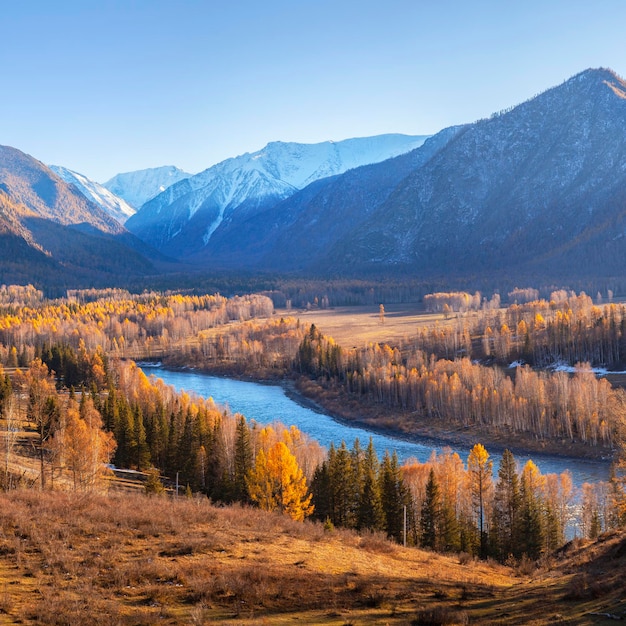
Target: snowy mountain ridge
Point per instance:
(136, 188)
(539, 188)
(112, 204)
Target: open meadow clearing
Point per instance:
(359, 325)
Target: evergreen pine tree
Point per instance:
(394, 496)
(357, 456)
(321, 491)
(370, 513)
(506, 507)
(140, 448)
(431, 511)
(243, 460)
(187, 452)
(217, 488)
(530, 534)
(340, 470)
(153, 485)
(449, 534)
(124, 454)
(171, 455)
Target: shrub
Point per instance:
(440, 616)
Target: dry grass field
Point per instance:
(128, 559)
(360, 325)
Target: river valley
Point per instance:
(269, 403)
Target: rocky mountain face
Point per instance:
(136, 188)
(185, 218)
(544, 182)
(32, 184)
(52, 234)
(116, 207)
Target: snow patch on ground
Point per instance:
(516, 364)
(571, 369)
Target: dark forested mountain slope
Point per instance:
(542, 183)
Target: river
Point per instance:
(269, 403)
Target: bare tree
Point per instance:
(9, 436)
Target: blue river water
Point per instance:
(269, 403)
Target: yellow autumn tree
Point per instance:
(277, 483)
(82, 446)
(480, 475)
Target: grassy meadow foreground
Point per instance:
(129, 559)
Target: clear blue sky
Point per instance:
(108, 86)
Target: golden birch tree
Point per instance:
(82, 446)
(480, 476)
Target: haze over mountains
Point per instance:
(537, 190)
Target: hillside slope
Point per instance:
(91, 559)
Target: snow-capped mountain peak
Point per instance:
(138, 187)
(249, 182)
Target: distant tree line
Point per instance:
(144, 325)
(567, 328)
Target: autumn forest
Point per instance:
(73, 400)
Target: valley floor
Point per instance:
(360, 325)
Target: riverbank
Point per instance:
(351, 410)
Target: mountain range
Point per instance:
(188, 215)
(537, 190)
